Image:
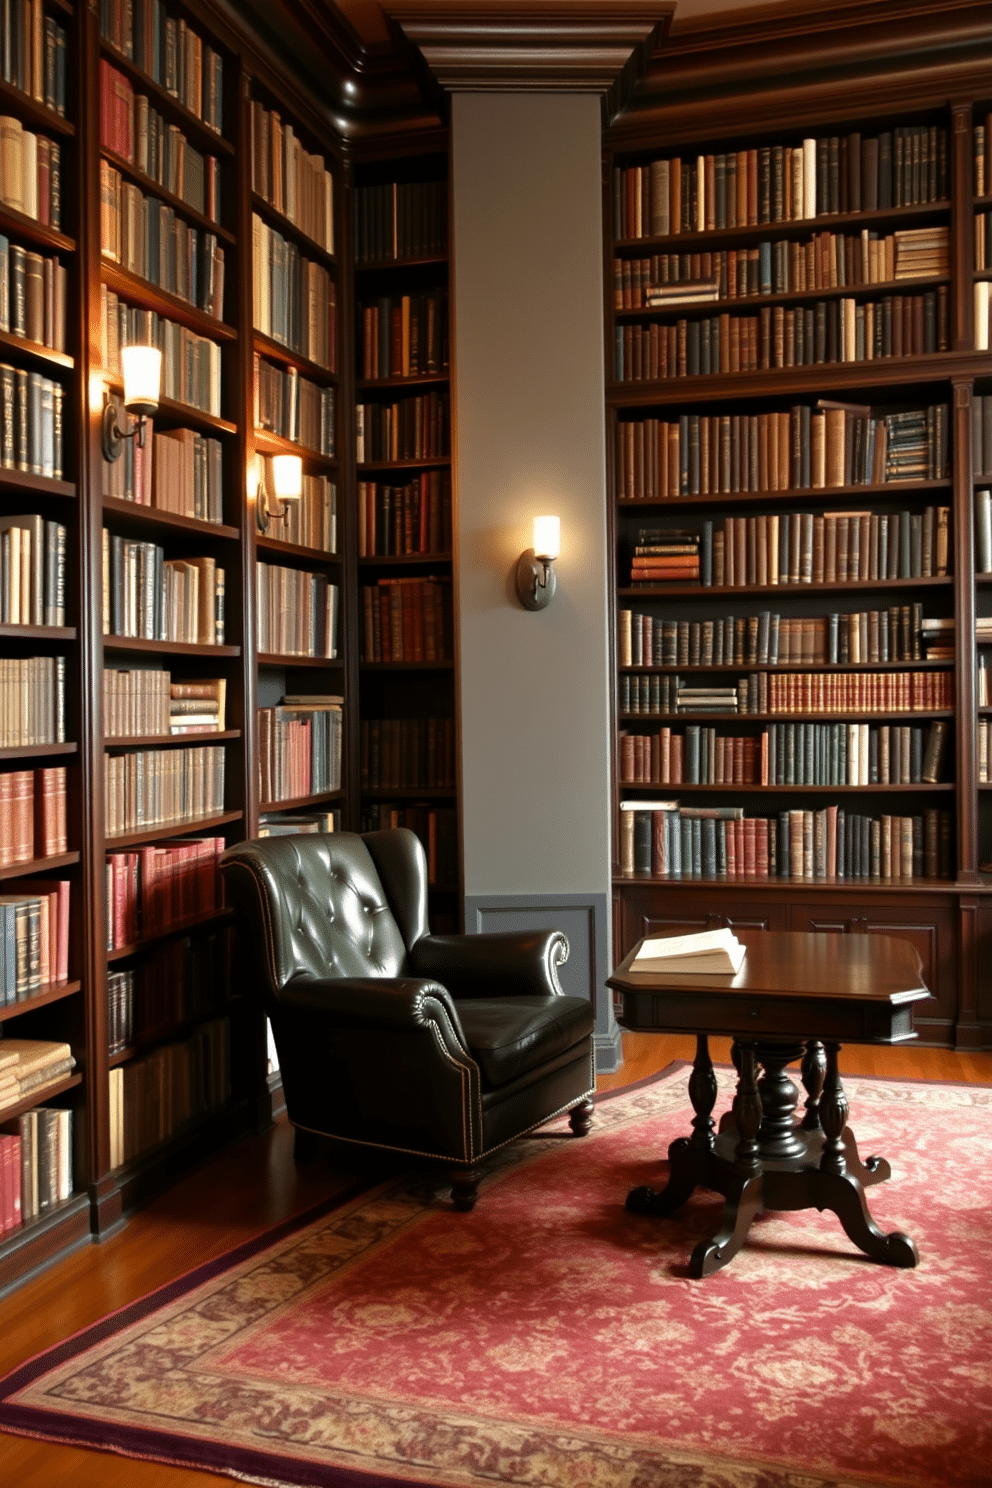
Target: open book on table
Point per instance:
(708, 953)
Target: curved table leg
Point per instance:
(743, 1202)
(844, 1196)
(688, 1156)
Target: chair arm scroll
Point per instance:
(502, 964)
(397, 1002)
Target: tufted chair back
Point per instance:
(330, 904)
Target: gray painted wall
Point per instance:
(529, 438)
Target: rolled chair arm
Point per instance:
(505, 963)
(399, 1002)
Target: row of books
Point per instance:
(771, 639)
(30, 172)
(33, 52)
(400, 219)
(841, 330)
(293, 181)
(294, 300)
(32, 814)
(983, 240)
(131, 128)
(170, 52)
(191, 364)
(826, 845)
(770, 692)
(293, 407)
(32, 571)
(983, 530)
(182, 979)
(155, 598)
(817, 754)
(407, 619)
(30, 422)
(297, 612)
(904, 166)
(32, 295)
(404, 336)
(164, 884)
(983, 314)
(147, 701)
(152, 787)
(280, 824)
(831, 445)
(311, 522)
(35, 1163)
(781, 266)
(147, 238)
(34, 938)
(32, 701)
(982, 140)
(786, 548)
(175, 470)
(437, 828)
(152, 1099)
(29, 1067)
(409, 429)
(395, 520)
(984, 757)
(407, 753)
(299, 747)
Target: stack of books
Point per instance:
(28, 1066)
(665, 554)
(707, 953)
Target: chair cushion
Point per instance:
(509, 1035)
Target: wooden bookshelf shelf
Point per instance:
(55, 992)
(816, 495)
(883, 218)
(41, 1095)
(176, 931)
(437, 462)
(196, 826)
(31, 111)
(373, 385)
(142, 292)
(406, 560)
(268, 443)
(783, 591)
(38, 632)
(125, 513)
(748, 303)
(167, 648)
(44, 357)
(302, 803)
(151, 187)
(307, 245)
(275, 351)
(37, 751)
(282, 659)
(33, 867)
(278, 548)
(166, 741)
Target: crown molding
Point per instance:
(548, 46)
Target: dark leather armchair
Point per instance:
(446, 1046)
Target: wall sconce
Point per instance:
(287, 478)
(536, 579)
(142, 367)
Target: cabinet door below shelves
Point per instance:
(656, 910)
(930, 927)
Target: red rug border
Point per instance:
(238, 1463)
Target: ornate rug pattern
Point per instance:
(550, 1340)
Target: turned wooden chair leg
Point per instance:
(580, 1117)
(465, 1188)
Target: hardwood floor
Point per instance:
(243, 1192)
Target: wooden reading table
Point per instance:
(796, 997)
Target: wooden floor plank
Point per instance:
(240, 1194)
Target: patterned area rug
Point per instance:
(551, 1340)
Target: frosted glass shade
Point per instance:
(547, 537)
(287, 477)
(142, 367)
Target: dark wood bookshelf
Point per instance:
(175, 931)
(33, 867)
(45, 357)
(279, 548)
(302, 803)
(135, 513)
(20, 225)
(165, 741)
(41, 1095)
(196, 826)
(268, 443)
(672, 590)
(819, 495)
(38, 632)
(168, 648)
(37, 751)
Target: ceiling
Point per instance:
(367, 15)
